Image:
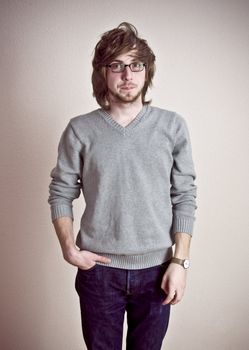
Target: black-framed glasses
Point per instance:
(118, 67)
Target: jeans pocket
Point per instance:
(84, 276)
(88, 270)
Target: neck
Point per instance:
(125, 111)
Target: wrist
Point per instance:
(182, 256)
(69, 252)
(182, 245)
(185, 263)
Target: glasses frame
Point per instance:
(126, 65)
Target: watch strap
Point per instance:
(183, 262)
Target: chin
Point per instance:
(129, 98)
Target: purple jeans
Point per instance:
(105, 294)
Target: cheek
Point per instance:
(111, 80)
(143, 79)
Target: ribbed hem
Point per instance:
(62, 210)
(139, 261)
(183, 224)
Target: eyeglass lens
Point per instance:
(120, 67)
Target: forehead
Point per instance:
(126, 57)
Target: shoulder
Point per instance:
(165, 115)
(85, 119)
(83, 124)
(80, 127)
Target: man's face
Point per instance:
(126, 86)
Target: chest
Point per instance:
(145, 151)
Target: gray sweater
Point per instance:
(137, 182)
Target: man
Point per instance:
(134, 166)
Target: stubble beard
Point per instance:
(127, 98)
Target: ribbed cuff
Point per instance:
(62, 210)
(183, 224)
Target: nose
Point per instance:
(127, 73)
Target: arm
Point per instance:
(66, 180)
(183, 195)
(82, 259)
(64, 188)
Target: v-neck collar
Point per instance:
(124, 130)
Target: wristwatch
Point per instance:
(185, 263)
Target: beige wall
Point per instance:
(202, 73)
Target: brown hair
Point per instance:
(117, 41)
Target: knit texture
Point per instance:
(137, 182)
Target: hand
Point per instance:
(84, 259)
(174, 283)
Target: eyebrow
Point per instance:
(120, 61)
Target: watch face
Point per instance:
(186, 264)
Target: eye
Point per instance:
(117, 66)
(137, 64)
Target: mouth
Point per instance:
(127, 87)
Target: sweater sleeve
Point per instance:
(66, 176)
(183, 189)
